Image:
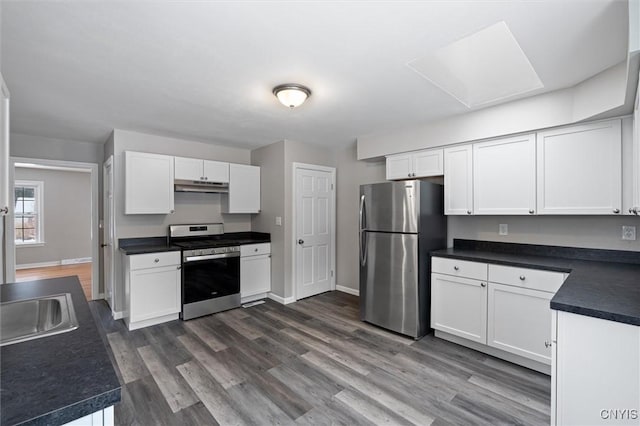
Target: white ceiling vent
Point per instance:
(485, 67)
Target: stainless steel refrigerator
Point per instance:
(400, 223)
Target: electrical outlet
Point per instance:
(629, 233)
(278, 220)
(503, 229)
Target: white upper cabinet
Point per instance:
(148, 183)
(201, 170)
(635, 208)
(244, 190)
(504, 176)
(458, 180)
(580, 169)
(415, 164)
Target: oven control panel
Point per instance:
(211, 251)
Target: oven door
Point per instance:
(210, 277)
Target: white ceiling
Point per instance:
(204, 70)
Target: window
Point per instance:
(28, 212)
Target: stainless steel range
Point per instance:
(210, 269)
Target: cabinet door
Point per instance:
(244, 189)
(428, 163)
(635, 208)
(216, 171)
(580, 169)
(188, 168)
(148, 183)
(458, 180)
(519, 321)
(504, 176)
(154, 292)
(255, 275)
(399, 166)
(459, 307)
(597, 371)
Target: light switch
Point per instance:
(503, 229)
(278, 221)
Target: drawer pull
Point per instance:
(255, 249)
(522, 277)
(455, 268)
(483, 284)
(156, 260)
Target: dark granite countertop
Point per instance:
(130, 246)
(56, 379)
(602, 283)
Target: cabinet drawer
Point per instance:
(527, 278)
(154, 260)
(459, 268)
(255, 249)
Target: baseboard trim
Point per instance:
(281, 300)
(38, 265)
(75, 261)
(348, 290)
(253, 297)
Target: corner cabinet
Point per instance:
(504, 176)
(580, 169)
(152, 288)
(458, 180)
(244, 190)
(415, 164)
(148, 183)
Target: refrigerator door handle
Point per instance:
(363, 241)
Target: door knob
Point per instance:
(301, 242)
(104, 245)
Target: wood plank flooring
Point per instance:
(82, 270)
(312, 362)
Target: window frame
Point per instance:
(38, 185)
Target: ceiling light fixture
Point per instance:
(291, 95)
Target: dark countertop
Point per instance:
(130, 246)
(602, 283)
(56, 379)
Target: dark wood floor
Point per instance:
(312, 363)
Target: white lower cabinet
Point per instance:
(501, 310)
(459, 306)
(152, 288)
(99, 418)
(255, 271)
(596, 373)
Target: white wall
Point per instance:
(66, 216)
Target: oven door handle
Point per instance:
(210, 257)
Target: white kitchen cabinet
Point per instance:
(635, 208)
(579, 169)
(244, 190)
(418, 164)
(596, 374)
(255, 271)
(148, 183)
(99, 418)
(504, 176)
(201, 170)
(458, 180)
(459, 306)
(152, 288)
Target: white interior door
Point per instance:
(7, 267)
(108, 237)
(315, 224)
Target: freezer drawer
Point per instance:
(389, 285)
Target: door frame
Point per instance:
(92, 168)
(108, 214)
(6, 272)
(294, 167)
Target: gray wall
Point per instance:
(271, 160)
(67, 216)
(351, 174)
(55, 149)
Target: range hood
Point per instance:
(200, 186)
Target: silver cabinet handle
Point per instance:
(409, 175)
(531, 211)
(616, 211)
(255, 249)
(630, 210)
(468, 211)
(455, 268)
(483, 284)
(156, 260)
(179, 267)
(547, 344)
(522, 277)
(172, 211)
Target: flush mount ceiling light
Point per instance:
(291, 95)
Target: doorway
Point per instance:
(314, 219)
(54, 222)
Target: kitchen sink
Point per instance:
(29, 319)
